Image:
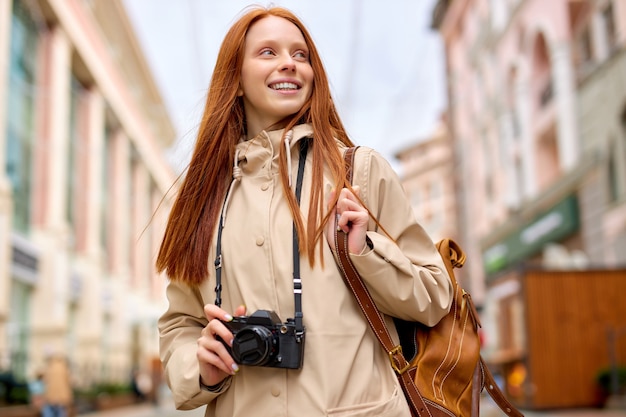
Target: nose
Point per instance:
(288, 64)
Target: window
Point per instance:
(105, 194)
(546, 93)
(19, 329)
(21, 113)
(584, 49)
(77, 92)
(488, 166)
(608, 21)
(613, 172)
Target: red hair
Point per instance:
(184, 251)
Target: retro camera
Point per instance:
(261, 339)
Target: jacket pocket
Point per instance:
(396, 406)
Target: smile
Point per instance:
(284, 86)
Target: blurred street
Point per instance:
(165, 408)
(523, 165)
(488, 409)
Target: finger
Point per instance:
(240, 311)
(214, 339)
(215, 329)
(211, 311)
(349, 201)
(215, 358)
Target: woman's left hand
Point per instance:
(351, 217)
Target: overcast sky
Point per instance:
(384, 62)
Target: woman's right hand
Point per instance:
(214, 360)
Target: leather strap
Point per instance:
(373, 316)
(496, 394)
(396, 357)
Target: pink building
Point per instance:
(537, 105)
(82, 134)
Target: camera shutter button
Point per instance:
(275, 391)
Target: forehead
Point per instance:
(273, 28)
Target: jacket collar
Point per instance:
(255, 153)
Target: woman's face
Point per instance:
(276, 75)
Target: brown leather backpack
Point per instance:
(440, 367)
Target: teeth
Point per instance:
(284, 86)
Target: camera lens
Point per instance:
(253, 345)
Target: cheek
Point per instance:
(310, 82)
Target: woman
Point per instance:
(268, 113)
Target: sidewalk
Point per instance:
(166, 408)
(489, 409)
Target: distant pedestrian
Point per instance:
(141, 384)
(36, 389)
(58, 388)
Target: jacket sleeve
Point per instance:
(179, 329)
(405, 273)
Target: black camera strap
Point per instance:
(297, 280)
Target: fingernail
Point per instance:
(228, 317)
(235, 368)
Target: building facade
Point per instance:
(537, 104)
(428, 176)
(83, 191)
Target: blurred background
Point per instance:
(504, 119)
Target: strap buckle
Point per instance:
(394, 364)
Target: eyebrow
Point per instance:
(299, 44)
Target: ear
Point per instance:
(239, 92)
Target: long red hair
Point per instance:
(184, 251)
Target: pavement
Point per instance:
(489, 409)
(165, 408)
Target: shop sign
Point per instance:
(554, 225)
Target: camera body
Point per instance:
(261, 339)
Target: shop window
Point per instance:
(19, 328)
(21, 113)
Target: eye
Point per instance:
(266, 52)
(303, 55)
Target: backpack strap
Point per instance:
(398, 361)
(370, 311)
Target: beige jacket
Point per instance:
(345, 371)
